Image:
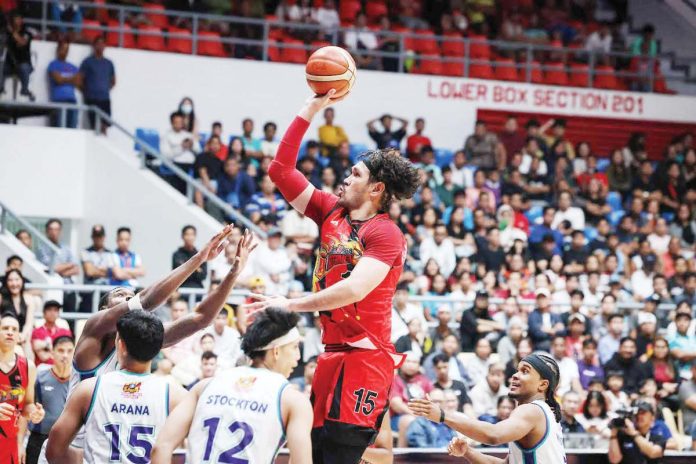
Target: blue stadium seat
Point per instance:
(603, 164)
(202, 139)
(356, 149)
(590, 233)
(534, 213)
(669, 217)
(614, 200)
(443, 157)
(233, 137)
(615, 217)
(149, 136)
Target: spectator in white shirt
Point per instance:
(180, 350)
(659, 239)
(269, 144)
(403, 312)
(565, 211)
(299, 228)
(227, 340)
(568, 369)
(461, 176)
(361, 38)
(599, 41)
(189, 369)
(441, 248)
(179, 146)
(221, 265)
(479, 364)
(273, 263)
(484, 396)
(327, 17)
(642, 279)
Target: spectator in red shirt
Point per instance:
(221, 152)
(42, 337)
(511, 137)
(409, 383)
(416, 141)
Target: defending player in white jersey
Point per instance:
(94, 351)
(532, 430)
(122, 411)
(247, 413)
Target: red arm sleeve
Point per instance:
(385, 242)
(282, 170)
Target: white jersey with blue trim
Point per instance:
(238, 418)
(109, 364)
(550, 448)
(126, 413)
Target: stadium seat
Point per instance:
(669, 216)
(181, 42)
(209, 44)
(534, 213)
(505, 69)
(579, 75)
(375, 9)
(443, 157)
(555, 74)
(615, 217)
(429, 64)
(293, 54)
(148, 136)
(603, 164)
(356, 149)
(590, 233)
(479, 47)
(91, 30)
(614, 200)
(481, 71)
(537, 77)
(273, 51)
(605, 78)
(155, 14)
(112, 37)
(317, 44)
(349, 9)
(202, 139)
(453, 47)
(453, 68)
(426, 44)
(150, 38)
(100, 12)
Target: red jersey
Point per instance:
(343, 243)
(13, 388)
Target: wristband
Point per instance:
(442, 416)
(134, 303)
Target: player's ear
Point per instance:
(377, 188)
(543, 386)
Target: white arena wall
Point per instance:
(150, 85)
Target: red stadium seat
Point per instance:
(349, 9)
(150, 38)
(505, 70)
(101, 13)
(375, 9)
(273, 51)
(90, 30)
(427, 44)
(555, 74)
(179, 43)
(479, 47)
(454, 47)
(605, 78)
(481, 71)
(537, 76)
(293, 55)
(112, 37)
(579, 75)
(453, 68)
(317, 44)
(429, 64)
(209, 44)
(155, 14)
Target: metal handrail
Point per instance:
(265, 28)
(7, 212)
(146, 149)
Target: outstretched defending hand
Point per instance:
(264, 302)
(245, 246)
(458, 447)
(216, 244)
(425, 408)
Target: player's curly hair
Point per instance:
(268, 325)
(400, 177)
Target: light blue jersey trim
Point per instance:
(166, 400)
(543, 439)
(91, 401)
(280, 413)
(89, 373)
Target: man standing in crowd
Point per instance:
(63, 79)
(127, 266)
(98, 77)
(51, 391)
(95, 265)
(65, 264)
(387, 138)
(186, 252)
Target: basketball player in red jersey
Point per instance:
(359, 263)
(17, 377)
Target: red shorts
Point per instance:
(350, 395)
(8, 450)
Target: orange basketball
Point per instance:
(330, 68)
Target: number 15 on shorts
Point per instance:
(365, 401)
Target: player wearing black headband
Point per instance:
(532, 430)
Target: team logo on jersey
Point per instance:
(12, 393)
(341, 253)
(131, 390)
(245, 383)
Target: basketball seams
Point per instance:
(331, 67)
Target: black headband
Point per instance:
(538, 363)
(371, 165)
